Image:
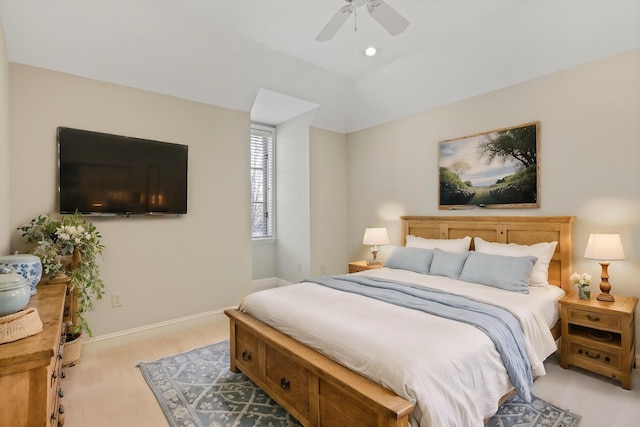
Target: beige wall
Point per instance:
(328, 189)
(589, 153)
(166, 267)
(5, 229)
(293, 224)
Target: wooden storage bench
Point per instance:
(316, 390)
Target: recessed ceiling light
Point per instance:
(371, 51)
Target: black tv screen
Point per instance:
(100, 173)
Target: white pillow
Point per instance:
(543, 251)
(449, 245)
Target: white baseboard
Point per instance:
(268, 283)
(100, 342)
(262, 284)
(282, 282)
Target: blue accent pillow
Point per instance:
(500, 271)
(448, 264)
(413, 259)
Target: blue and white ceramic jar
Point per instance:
(14, 291)
(27, 265)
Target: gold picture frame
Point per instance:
(496, 169)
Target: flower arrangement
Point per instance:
(580, 280)
(70, 242)
(583, 281)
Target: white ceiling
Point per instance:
(223, 52)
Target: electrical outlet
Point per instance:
(116, 299)
(299, 267)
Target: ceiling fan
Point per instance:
(386, 16)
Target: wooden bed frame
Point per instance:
(318, 391)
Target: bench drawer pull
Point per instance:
(284, 384)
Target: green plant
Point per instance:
(75, 238)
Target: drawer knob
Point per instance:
(593, 318)
(60, 393)
(54, 375)
(284, 384)
(246, 356)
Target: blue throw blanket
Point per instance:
(499, 324)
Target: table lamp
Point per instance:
(604, 247)
(375, 237)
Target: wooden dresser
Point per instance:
(30, 368)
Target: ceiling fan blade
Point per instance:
(387, 16)
(335, 23)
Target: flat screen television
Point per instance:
(103, 174)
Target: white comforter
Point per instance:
(449, 370)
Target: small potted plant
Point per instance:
(583, 282)
(69, 246)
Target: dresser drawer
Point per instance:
(289, 378)
(595, 355)
(57, 410)
(594, 320)
(247, 351)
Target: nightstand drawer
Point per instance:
(595, 355)
(594, 320)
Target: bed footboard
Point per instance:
(313, 388)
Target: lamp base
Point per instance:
(374, 255)
(605, 286)
(606, 297)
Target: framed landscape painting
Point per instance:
(497, 169)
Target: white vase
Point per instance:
(26, 265)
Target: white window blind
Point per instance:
(262, 188)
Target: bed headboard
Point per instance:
(524, 230)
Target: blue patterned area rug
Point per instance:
(196, 389)
(516, 413)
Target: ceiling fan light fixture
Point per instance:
(371, 51)
(380, 11)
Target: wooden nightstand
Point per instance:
(599, 336)
(356, 266)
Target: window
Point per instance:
(262, 185)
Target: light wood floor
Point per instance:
(106, 389)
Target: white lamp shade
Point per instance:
(375, 236)
(604, 247)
